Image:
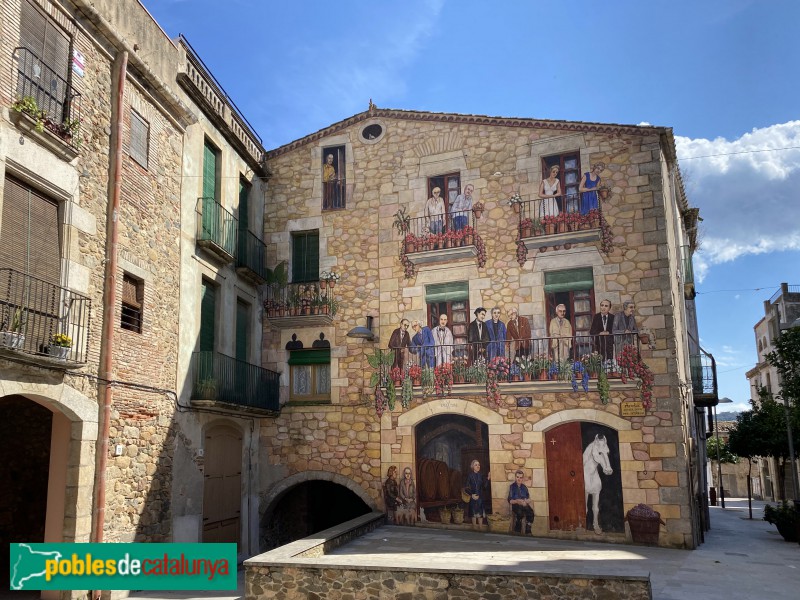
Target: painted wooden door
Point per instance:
(222, 490)
(564, 454)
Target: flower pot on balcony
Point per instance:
(517, 207)
(526, 232)
(603, 193)
(332, 284)
(58, 352)
(644, 338)
(468, 239)
(550, 228)
(12, 339)
(543, 375)
(323, 283)
(411, 246)
(477, 212)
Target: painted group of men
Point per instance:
(487, 339)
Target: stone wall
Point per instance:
(499, 159)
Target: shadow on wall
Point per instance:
(307, 508)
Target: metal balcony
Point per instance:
(43, 323)
(224, 382)
(309, 304)
(251, 257)
(703, 369)
(445, 238)
(538, 228)
(217, 229)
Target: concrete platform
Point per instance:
(740, 559)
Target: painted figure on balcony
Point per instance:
(602, 328)
(625, 329)
(331, 192)
(549, 192)
(422, 344)
(519, 332)
(478, 335)
(561, 334)
(588, 188)
(399, 342)
(443, 339)
(461, 207)
(476, 485)
(497, 335)
(434, 211)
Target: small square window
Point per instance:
(140, 139)
(132, 303)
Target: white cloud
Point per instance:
(746, 190)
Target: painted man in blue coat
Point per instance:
(422, 344)
(497, 335)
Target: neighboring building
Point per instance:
(781, 311)
(330, 208)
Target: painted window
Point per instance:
(310, 375)
(305, 256)
(569, 174)
(334, 188)
(574, 288)
(451, 299)
(450, 186)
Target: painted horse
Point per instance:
(596, 454)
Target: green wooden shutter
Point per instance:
(242, 330)
(209, 171)
(244, 205)
(305, 257)
(569, 281)
(208, 317)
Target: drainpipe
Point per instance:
(110, 298)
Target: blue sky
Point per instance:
(721, 73)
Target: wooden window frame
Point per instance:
(443, 182)
(132, 304)
(560, 160)
(140, 136)
(334, 193)
(315, 396)
(307, 276)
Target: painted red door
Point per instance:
(564, 457)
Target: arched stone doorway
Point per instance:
(222, 484)
(307, 503)
(576, 473)
(446, 445)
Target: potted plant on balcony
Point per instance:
(206, 389)
(427, 381)
(477, 209)
(397, 376)
(604, 192)
(60, 343)
(541, 366)
(592, 362)
(515, 202)
(459, 369)
(14, 335)
(526, 366)
(549, 223)
(525, 227)
(415, 372)
(402, 222)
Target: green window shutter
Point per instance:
(569, 281)
(208, 314)
(305, 257)
(209, 171)
(242, 330)
(457, 291)
(318, 356)
(244, 205)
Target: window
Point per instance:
(310, 375)
(140, 139)
(43, 62)
(575, 290)
(334, 189)
(210, 171)
(451, 299)
(132, 303)
(450, 186)
(208, 317)
(305, 256)
(569, 174)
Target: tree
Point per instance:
(786, 359)
(725, 454)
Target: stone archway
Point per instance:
(309, 502)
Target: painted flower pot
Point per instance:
(603, 193)
(478, 212)
(526, 232)
(517, 207)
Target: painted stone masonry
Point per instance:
(498, 159)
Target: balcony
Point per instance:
(217, 229)
(540, 227)
(437, 240)
(334, 194)
(43, 323)
(536, 363)
(224, 382)
(309, 304)
(251, 258)
(703, 369)
(46, 105)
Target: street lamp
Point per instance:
(719, 462)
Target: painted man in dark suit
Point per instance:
(478, 335)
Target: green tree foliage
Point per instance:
(725, 454)
(786, 359)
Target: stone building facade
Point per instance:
(388, 160)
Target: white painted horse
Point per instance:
(596, 454)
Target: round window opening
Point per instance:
(372, 132)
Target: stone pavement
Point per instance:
(740, 559)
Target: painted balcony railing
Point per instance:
(251, 257)
(42, 321)
(217, 229)
(300, 304)
(217, 378)
(703, 369)
(45, 97)
(450, 236)
(334, 194)
(535, 359)
(558, 221)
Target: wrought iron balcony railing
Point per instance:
(221, 379)
(703, 369)
(45, 96)
(300, 300)
(334, 194)
(43, 320)
(563, 216)
(217, 228)
(251, 256)
(535, 359)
